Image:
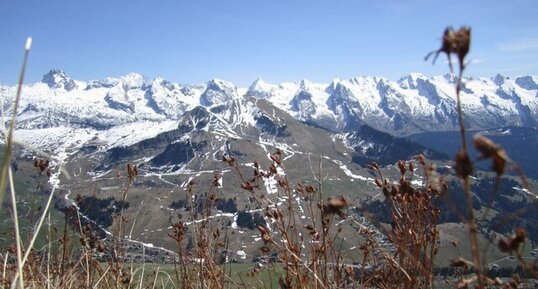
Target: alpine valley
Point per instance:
(178, 133)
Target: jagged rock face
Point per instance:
(302, 102)
(177, 153)
(344, 107)
(371, 145)
(106, 83)
(260, 89)
(57, 79)
(267, 125)
(217, 92)
(528, 82)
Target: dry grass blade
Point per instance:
(8, 148)
(6, 172)
(18, 240)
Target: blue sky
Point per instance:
(278, 40)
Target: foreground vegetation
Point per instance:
(300, 242)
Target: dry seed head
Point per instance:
(309, 227)
(41, 164)
(463, 43)
(283, 183)
(337, 202)
(132, 171)
(272, 169)
(265, 249)
(464, 166)
(349, 271)
(485, 146)
(266, 236)
(520, 235)
(191, 184)
(402, 166)
(216, 234)
(216, 180)
(379, 183)
(229, 160)
(460, 262)
(421, 159)
(334, 205)
(505, 245)
(454, 42)
(512, 244)
(489, 149)
(279, 214)
(78, 199)
(499, 164)
(247, 186)
(277, 157)
(373, 166)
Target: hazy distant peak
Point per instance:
(57, 78)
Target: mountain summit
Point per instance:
(57, 79)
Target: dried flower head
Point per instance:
(266, 236)
(247, 186)
(514, 243)
(229, 160)
(283, 183)
(132, 171)
(335, 205)
(402, 166)
(216, 179)
(489, 149)
(277, 157)
(41, 164)
(454, 42)
(272, 169)
(460, 262)
(464, 166)
(373, 166)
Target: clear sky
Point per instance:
(191, 41)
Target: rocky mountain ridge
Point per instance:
(415, 103)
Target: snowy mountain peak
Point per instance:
(160, 82)
(260, 89)
(108, 82)
(217, 92)
(527, 82)
(259, 84)
(332, 87)
(306, 85)
(56, 78)
(220, 85)
(410, 81)
(132, 81)
(499, 79)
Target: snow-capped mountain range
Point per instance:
(176, 133)
(61, 111)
